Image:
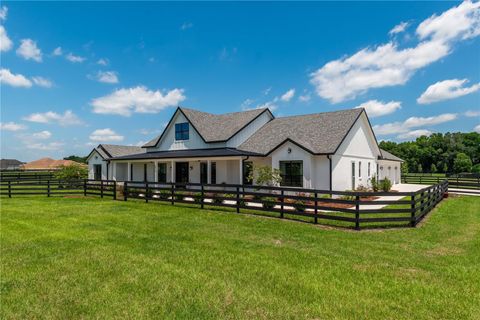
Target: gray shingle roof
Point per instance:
(388, 156)
(108, 151)
(195, 153)
(215, 127)
(320, 133)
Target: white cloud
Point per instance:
(186, 25)
(412, 122)
(102, 62)
(267, 91)
(477, 129)
(42, 82)
(138, 99)
(5, 42)
(414, 134)
(305, 98)
(105, 135)
(3, 13)
(472, 113)
(58, 51)
(67, 119)
(388, 65)
(287, 96)
(377, 108)
(75, 59)
(51, 146)
(445, 90)
(14, 80)
(270, 105)
(247, 104)
(12, 126)
(107, 77)
(399, 28)
(29, 51)
(42, 135)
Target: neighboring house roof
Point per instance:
(107, 151)
(9, 163)
(385, 155)
(320, 133)
(192, 153)
(215, 127)
(48, 163)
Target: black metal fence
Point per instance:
(355, 208)
(459, 181)
(53, 187)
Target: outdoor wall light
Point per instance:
(289, 150)
(191, 168)
(381, 168)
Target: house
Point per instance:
(10, 164)
(329, 151)
(48, 164)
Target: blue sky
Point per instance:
(77, 74)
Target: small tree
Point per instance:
(265, 175)
(419, 168)
(433, 168)
(72, 172)
(445, 168)
(404, 168)
(462, 163)
(386, 185)
(476, 168)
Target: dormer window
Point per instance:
(181, 131)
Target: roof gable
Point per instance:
(320, 133)
(107, 151)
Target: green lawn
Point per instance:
(82, 258)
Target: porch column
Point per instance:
(114, 171)
(172, 171)
(240, 171)
(129, 171)
(156, 171)
(209, 172)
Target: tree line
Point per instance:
(438, 153)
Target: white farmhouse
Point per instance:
(327, 151)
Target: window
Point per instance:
(291, 173)
(162, 172)
(203, 172)
(97, 171)
(247, 170)
(213, 172)
(359, 169)
(368, 170)
(181, 131)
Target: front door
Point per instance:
(181, 172)
(97, 171)
(353, 175)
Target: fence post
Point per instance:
(147, 189)
(9, 188)
(202, 197)
(84, 187)
(316, 208)
(282, 203)
(413, 211)
(238, 199)
(48, 188)
(114, 189)
(357, 212)
(101, 188)
(173, 195)
(125, 191)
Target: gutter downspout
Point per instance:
(330, 163)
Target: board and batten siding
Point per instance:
(359, 146)
(94, 159)
(250, 129)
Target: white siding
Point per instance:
(250, 129)
(389, 169)
(321, 173)
(95, 158)
(359, 147)
(297, 153)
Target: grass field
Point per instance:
(82, 258)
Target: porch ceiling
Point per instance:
(197, 153)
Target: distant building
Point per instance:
(10, 164)
(48, 164)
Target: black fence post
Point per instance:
(413, 211)
(9, 188)
(125, 191)
(282, 203)
(202, 196)
(101, 188)
(147, 190)
(238, 199)
(316, 208)
(114, 190)
(173, 195)
(84, 187)
(48, 188)
(357, 212)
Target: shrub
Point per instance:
(164, 194)
(299, 205)
(197, 197)
(180, 195)
(462, 163)
(362, 188)
(348, 197)
(386, 185)
(216, 198)
(71, 172)
(375, 184)
(476, 168)
(268, 202)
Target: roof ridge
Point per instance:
(318, 113)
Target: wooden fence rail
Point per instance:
(472, 183)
